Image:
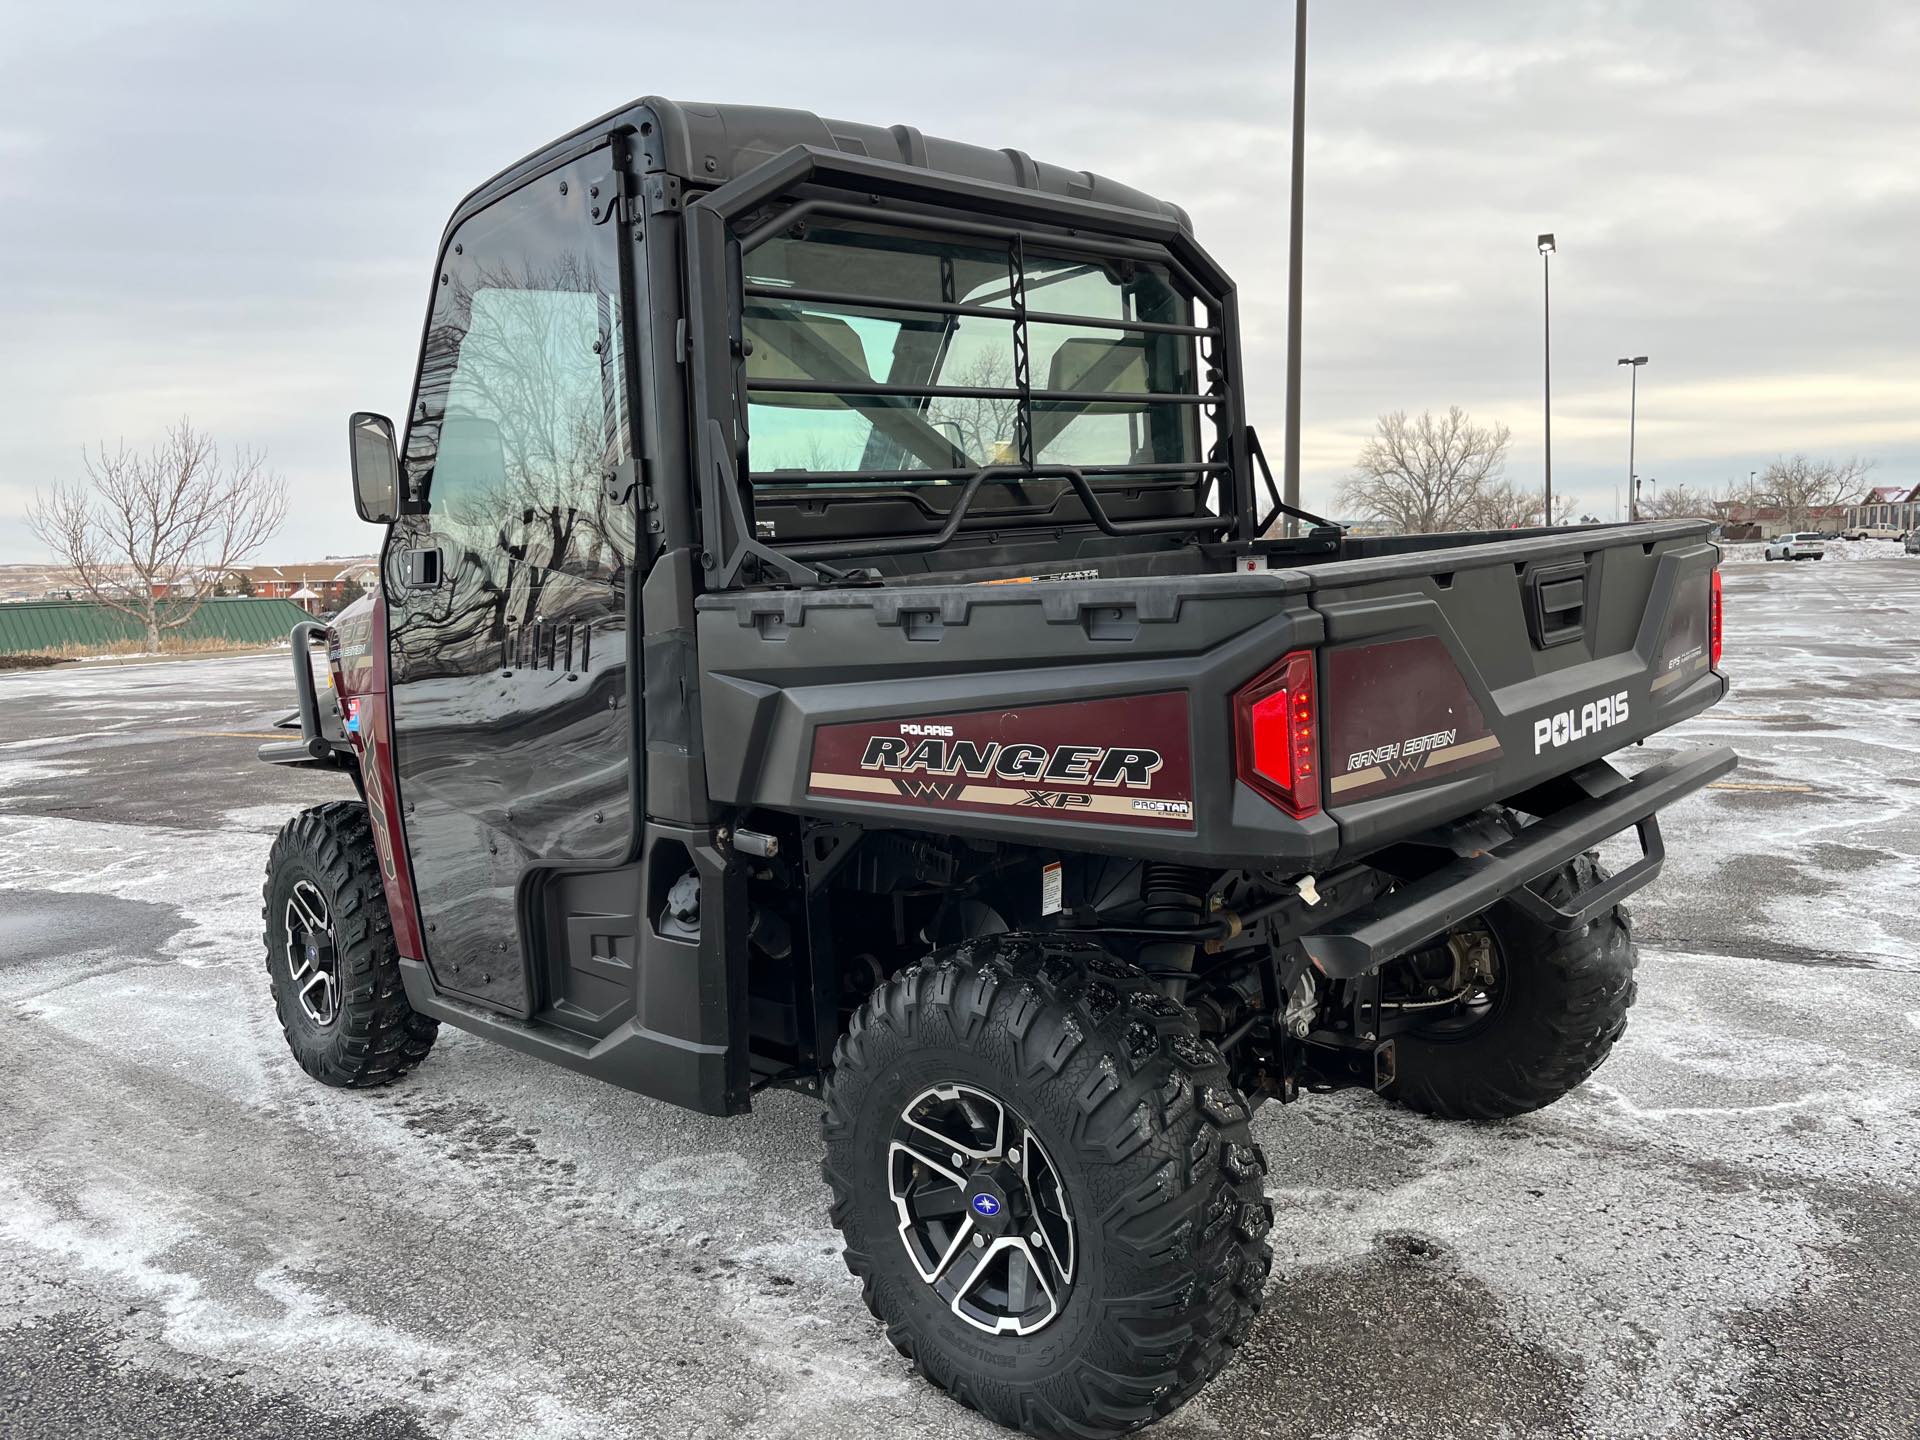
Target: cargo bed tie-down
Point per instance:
(1423, 908)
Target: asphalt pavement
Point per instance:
(1718, 1236)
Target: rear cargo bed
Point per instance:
(1451, 675)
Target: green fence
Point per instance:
(29, 625)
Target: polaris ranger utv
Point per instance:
(835, 633)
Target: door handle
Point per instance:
(420, 569)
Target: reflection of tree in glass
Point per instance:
(985, 429)
(813, 453)
(532, 398)
(967, 431)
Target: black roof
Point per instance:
(709, 144)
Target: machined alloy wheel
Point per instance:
(331, 959)
(983, 1212)
(312, 965)
(1047, 1184)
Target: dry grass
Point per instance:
(122, 650)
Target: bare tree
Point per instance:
(1800, 487)
(152, 534)
(1427, 474)
(1567, 510)
(1676, 502)
(1499, 505)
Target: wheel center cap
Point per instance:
(989, 1207)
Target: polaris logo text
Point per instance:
(1570, 725)
(1058, 765)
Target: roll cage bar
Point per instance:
(729, 222)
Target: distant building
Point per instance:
(1886, 507)
(331, 584)
(336, 582)
(1742, 520)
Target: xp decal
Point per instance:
(1124, 762)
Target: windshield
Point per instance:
(852, 384)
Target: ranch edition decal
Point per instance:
(1401, 714)
(1124, 761)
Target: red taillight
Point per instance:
(1277, 734)
(1713, 623)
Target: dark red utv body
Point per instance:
(828, 601)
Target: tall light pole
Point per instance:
(1633, 405)
(1290, 467)
(1545, 242)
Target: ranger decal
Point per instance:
(1121, 761)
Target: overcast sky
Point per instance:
(229, 211)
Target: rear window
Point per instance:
(856, 375)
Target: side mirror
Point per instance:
(376, 467)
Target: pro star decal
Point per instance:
(1120, 761)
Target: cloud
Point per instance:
(231, 211)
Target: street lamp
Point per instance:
(1633, 404)
(1290, 463)
(1545, 242)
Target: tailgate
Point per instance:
(1456, 677)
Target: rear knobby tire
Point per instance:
(1139, 1116)
(1563, 1007)
(372, 1036)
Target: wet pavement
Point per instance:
(1717, 1236)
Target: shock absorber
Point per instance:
(1171, 894)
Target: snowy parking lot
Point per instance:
(1717, 1236)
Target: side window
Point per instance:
(520, 413)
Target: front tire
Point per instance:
(331, 960)
(1156, 1191)
(1557, 1009)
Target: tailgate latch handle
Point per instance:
(1557, 604)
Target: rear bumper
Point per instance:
(1423, 908)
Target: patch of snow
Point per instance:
(125, 1240)
(1745, 552)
